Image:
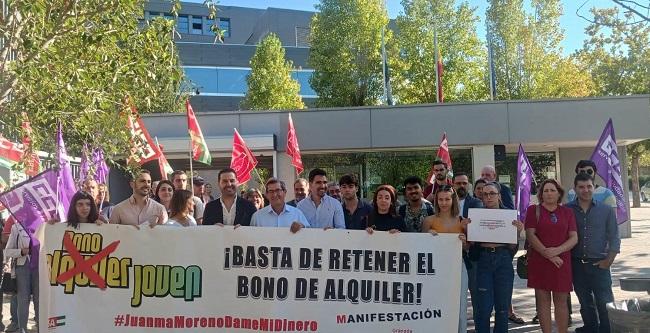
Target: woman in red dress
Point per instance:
(551, 233)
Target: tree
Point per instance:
(617, 55)
(463, 55)
(528, 57)
(270, 85)
(77, 61)
(346, 52)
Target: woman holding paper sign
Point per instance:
(448, 220)
(551, 233)
(495, 275)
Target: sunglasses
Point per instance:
(553, 218)
(490, 194)
(588, 171)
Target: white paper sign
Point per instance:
(492, 225)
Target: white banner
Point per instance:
(220, 279)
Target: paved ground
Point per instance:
(634, 260)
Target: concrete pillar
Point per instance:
(569, 157)
(286, 172)
(481, 156)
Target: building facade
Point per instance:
(216, 71)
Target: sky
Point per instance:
(571, 23)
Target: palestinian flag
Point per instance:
(199, 146)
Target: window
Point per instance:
(183, 24)
(197, 25)
(204, 80)
(207, 29)
(232, 80)
(224, 25)
(302, 37)
(303, 79)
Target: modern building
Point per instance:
(217, 71)
(385, 144)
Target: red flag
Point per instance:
(443, 155)
(199, 146)
(163, 165)
(243, 161)
(143, 148)
(292, 147)
(32, 162)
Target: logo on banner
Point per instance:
(38, 194)
(82, 262)
(54, 322)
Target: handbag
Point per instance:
(8, 281)
(522, 261)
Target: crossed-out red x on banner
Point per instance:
(85, 266)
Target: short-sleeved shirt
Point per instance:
(328, 214)
(267, 217)
(128, 212)
(199, 208)
(358, 220)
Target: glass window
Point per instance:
(183, 23)
(385, 167)
(207, 29)
(232, 81)
(303, 78)
(202, 79)
(197, 25)
(224, 25)
(168, 16)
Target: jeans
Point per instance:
(462, 320)
(472, 267)
(494, 278)
(593, 286)
(27, 285)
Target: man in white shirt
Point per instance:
(278, 213)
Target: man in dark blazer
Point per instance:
(229, 209)
(465, 201)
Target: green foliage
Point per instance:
(270, 85)
(463, 55)
(617, 53)
(527, 53)
(346, 52)
(76, 62)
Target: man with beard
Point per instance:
(465, 201)
(139, 208)
(416, 209)
(321, 210)
(440, 171)
(229, 209)
(334, 190)
(300, 189)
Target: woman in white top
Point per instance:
(182, 206)
(18, 248)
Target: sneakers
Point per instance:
(13, 327)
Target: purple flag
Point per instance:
(605, 156)
(66, 187)
(101, 169)
(32, 203)
(84, 168)
(524, 180)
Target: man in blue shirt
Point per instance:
(601, 193)
(278, 213)
(598, 245)
(321, 210)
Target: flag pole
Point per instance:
(435, 56)
(191, 169)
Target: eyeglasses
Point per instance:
(490, 194)
(553, 218)
(587, 171)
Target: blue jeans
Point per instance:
(593, 286)
(494, 287)
(472, 267)
(27, 285)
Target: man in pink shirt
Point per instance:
(139, 208)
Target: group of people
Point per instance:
(570, 246)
